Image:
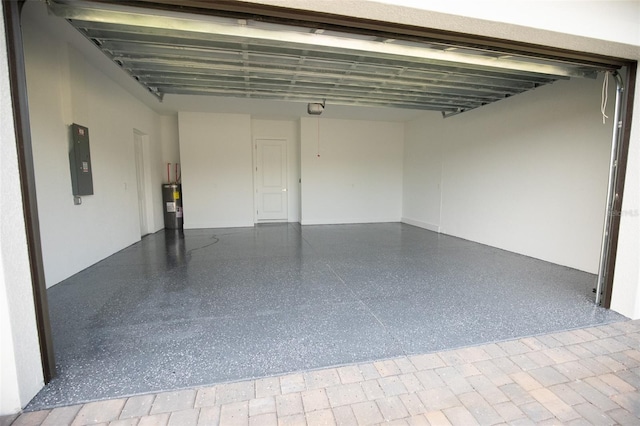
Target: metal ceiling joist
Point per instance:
(185, 54)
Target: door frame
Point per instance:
(141, 158)
(256, 202)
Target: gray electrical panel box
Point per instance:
(80, 160)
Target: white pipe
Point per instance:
(611, 190)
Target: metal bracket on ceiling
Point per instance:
(451, 114)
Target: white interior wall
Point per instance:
(288, 130)
(527, 174)
(357, 177)
(64, 88)
(170, 141)
(20, 369)
(217, 169)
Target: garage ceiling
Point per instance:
(187, 54)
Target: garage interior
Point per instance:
(426, 208)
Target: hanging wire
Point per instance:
(605, 95)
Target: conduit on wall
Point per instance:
(612, 193)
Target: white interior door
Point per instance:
(271, 180)
(142, 204)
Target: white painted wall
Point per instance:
(64, 88)
(422, 173)
(288, 130)
(20, 369)
(527, 174)
(170, 141)
(358, 176)
(217, 169)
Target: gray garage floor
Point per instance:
(215, 305)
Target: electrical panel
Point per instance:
(80, 161)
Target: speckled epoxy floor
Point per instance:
(208, 306)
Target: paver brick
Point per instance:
(368, 371)
(454, 380)
(411, 382)
(437, 418)
(593, 396)
(460, 416)
(392, 408)
(560, 409)
(526, 381)
(580, 351)
(438, 399)
(173, 401)
(405, 365)
(372, 389)
(32, 418)
(547, 376)
(617, 383)
(321, 378)
(549, 341)
(568, 395)
(269, 386)
(209, 416)
(122, 422)
(427, 361)
(161, 419)
(494, 351)
(261, 406)
(574, 370)
(630, 401)
(345, 394)
(524, 362)
(187, 417)
(514, 347)
(321, 418)
(344, 416)
(610, 363)
(493, 373)
(387, 368)
(413, 404)
(315, 399)
(593, 415)
(235, 392)
(452, 358)
(467, 370)
(487, 389)
(293, 420)
(63, 415)
(508, 411)
(392, 386)
(292, 383)
(516, 393)
(429, 379)
(622, 416)
(474, 354)
(536, 412)
(484, 413)
(533, 343)
(100, 411)
(266, 419)
(420, 420)
(506, 365)
(350, 374)
(289, 404)
(235, 414)
(560, 355)
(367, 413)
(601, 386)
(205, 397)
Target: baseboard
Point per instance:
(346, 221)
(420, 224)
